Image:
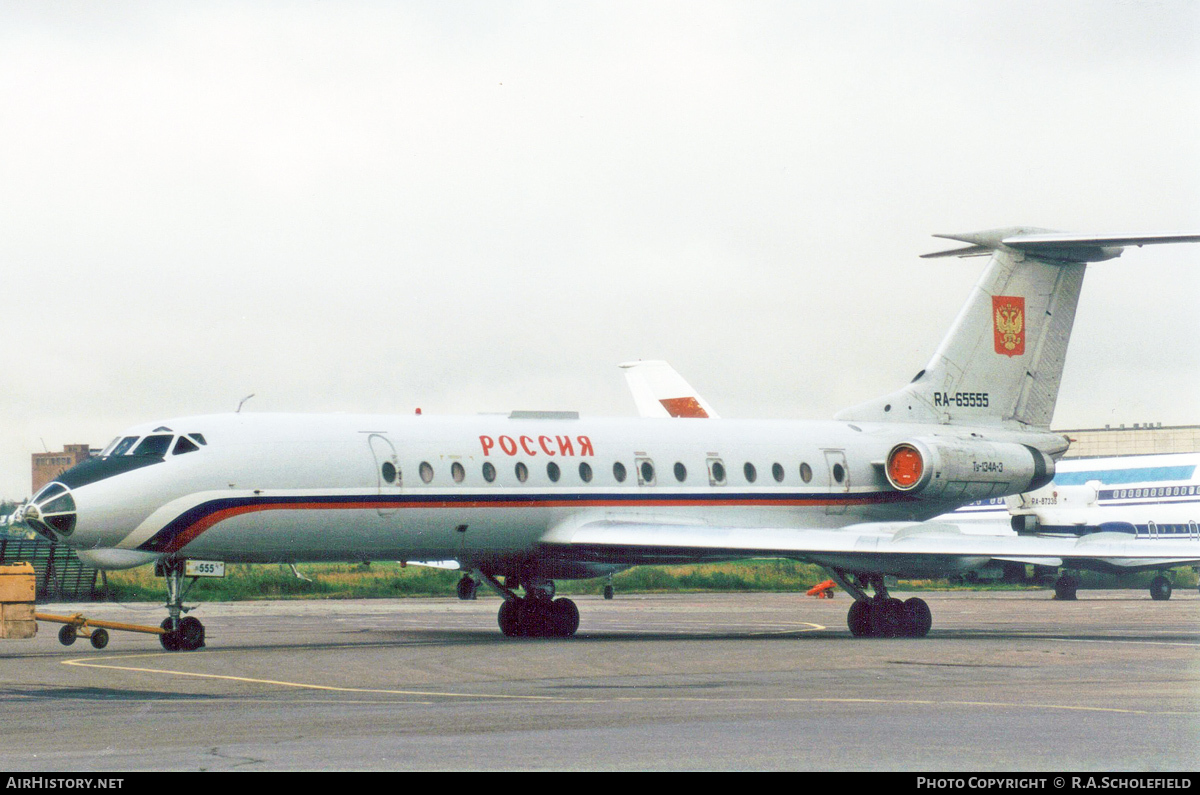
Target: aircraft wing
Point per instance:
(891, 547)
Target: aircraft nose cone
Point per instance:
(51, 512)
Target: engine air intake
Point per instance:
(957, 469)
(905, 466)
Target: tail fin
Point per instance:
(660, 391)
(1002, 361)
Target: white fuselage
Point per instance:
(266, 488)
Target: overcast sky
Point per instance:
(359, 206)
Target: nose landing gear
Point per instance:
(180, 634)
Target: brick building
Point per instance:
(48, 466)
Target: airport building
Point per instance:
(48, 466)
(1141, 439)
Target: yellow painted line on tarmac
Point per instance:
(804, 626)
(102, 663)
(94, 662)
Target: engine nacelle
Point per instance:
(958, 469)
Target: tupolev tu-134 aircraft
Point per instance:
(524, 499)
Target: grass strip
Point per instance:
(380, 580)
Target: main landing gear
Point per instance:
(1160, 588)
(1066, 586)
(882, 616)
(181, 634)
(467, 588)
(537, 614)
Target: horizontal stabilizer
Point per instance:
(1061, 246)
(969, 251)
(1001, 362)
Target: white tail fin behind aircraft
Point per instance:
(659, 391)
(1002, 360)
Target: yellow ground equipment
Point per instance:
(77, 625)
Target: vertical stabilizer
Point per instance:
(660, 391)
(1002, 361)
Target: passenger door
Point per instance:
(387, 470)
(839, 479)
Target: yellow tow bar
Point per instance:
(96, 631)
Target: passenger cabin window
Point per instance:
(806, 473)
(777, 472)
(388, 470)
(680, 471)
(426, 471)
(585, 472)
(645, 470)
(489, 471)
(155, 446)
(716, 472)
(522, 471)
(553, 472)
(619, 472)
(750, 472)
(186, 445)
(457, 472)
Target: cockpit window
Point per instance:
(107, 451)
(155, 446)
(48, 492)
(61, 504)
(198, 437)
(124, 445)
(184, 445)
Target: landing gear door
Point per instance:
(387, 470)
(839, 480)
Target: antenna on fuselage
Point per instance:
(243, 402)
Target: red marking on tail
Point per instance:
(683, 407)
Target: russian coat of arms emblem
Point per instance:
(1008, 317)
